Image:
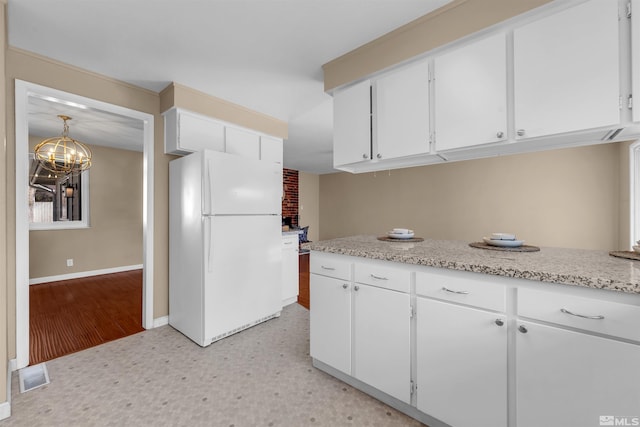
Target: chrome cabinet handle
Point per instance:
(520, 132)
(345, 286)
(364, 156)
(523, 329)
(500, 134)
(356, 288)
(455, 292)
(599, 317)
(378, 277)
(379, 156)
(499, 322)
(327, 268)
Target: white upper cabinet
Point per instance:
(566, 71)
(242, 143)
(471, 94)
(635, 57)
(186, 132)
(401, 112)
(352, 124)
(271, 149)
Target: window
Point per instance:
(56, 201)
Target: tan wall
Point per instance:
(114, 238)
(4, 271)
(454, 21)
(309, 203)
(560, 198)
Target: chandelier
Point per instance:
(62, 154)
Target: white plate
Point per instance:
(400, 236)
(503, 236)
(503, 243)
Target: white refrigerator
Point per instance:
(225, 251)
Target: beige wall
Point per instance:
(309, 203)
(560, 198)
(4, 270)
(456, 20)
(114, 238)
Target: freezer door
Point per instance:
(243, 271)
(235, 185)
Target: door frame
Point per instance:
(23, 90)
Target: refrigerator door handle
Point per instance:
(208, 188)
(207, 230)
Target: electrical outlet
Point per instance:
(70, 262)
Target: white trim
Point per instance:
(13, 365)
(634, 195)
(161, 321)
(23, 90)
(5, 407)
(80, 274)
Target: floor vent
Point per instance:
(33, 377)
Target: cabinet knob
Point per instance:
(379, 156)
(345, 286)
(499, 322)
(364, 156)
(523, 329)
(520, 132)
(500, 134)
(356, 288)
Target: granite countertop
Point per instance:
(290, 232)
(579, 267)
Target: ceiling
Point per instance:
(266, 55)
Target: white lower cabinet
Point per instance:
(382, 343)
(330, 321)
(571, 379)
(483, 351)
(461, 364)
(289, 268)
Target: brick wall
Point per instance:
(290, 202)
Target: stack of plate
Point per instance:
(400, 233)
(504, 240)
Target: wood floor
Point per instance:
(72, 315)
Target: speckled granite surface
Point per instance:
(588, 268)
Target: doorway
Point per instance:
(25, 93)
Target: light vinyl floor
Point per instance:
(260, 377)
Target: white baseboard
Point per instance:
(160, 321)
(5, 407)
(288, 301)
(80, 274)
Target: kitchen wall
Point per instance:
(309, 200)
(561, 198)
(4, 177)
(114, 238)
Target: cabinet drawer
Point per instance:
(605, 317)
(290, 241)
(478, 291)
(383, 276)
(329, 266)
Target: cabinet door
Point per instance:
(566, 70)
(635, 57)
(271, 149)
(471, 94)
(401, 112)
(198, 133)
(242, 143)
(461, 364)
(570, 379)
(289, 269)
(382, 340)
(330, 322)
(352, 124)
